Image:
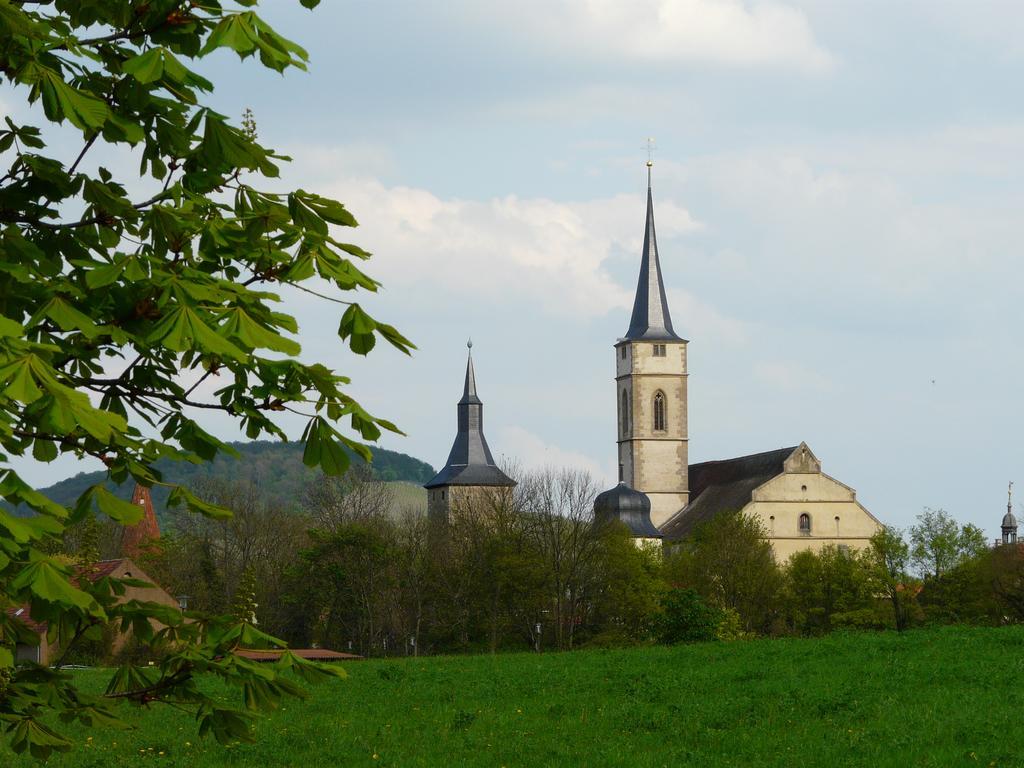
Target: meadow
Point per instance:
(935, 697)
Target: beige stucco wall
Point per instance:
(780, 502)
(452, 500)
(655, 462)
(128, 569)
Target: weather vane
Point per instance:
(1009, 495)
(650, 147)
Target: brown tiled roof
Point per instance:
(96, 571)
(312, 654)
(723, 486)
(21, 613)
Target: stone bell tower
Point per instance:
(650, 382)
(470, 474)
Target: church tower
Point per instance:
(470, 470)
(136, 538)
(1009, 526)
(650, 381)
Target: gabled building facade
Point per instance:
(44, 652)
(799, 506)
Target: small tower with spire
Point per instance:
(650, 381)
(1009, 525)
(136, 538)
(470, 470)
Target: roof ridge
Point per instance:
(747, 456)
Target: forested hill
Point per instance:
(275, 467)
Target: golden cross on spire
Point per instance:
(650, 147)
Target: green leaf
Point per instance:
(26, 529)
(47, 581)
(67, 317)
(239, 325)
(14, 21)
(118, 510)
(20, 383)
(44, 450)
(11, 329)
(61, 101)
(147, 67)
(38, 739)
(358, 328)
(118, 128)
(303, 215)
(180, 495)
(329, 210)
(182, 329)
(105, 275)
(232, 32)
(324, 448)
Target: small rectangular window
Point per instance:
(623, 353)
(659, 350)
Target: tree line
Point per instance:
(358, 571)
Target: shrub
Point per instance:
(686, 618)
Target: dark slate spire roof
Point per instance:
(628, 506)
(470, 461)
(651, 319)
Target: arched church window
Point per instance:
(625, 414)
(660, 421)
(805, 524)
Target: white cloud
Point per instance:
(690, 312)
(354, 159)
(543, 255)
(729, 32)
(532, 452)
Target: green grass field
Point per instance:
(941, 697)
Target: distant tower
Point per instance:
(470, 468)
(1009, 525)
(135, 537)
(650, 381)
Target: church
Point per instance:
(660, 495)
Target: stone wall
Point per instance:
(836, 516)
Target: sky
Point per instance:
(838, 191)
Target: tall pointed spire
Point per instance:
(469, 390)
(651, 318)
(135, 538)
(470, 461)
